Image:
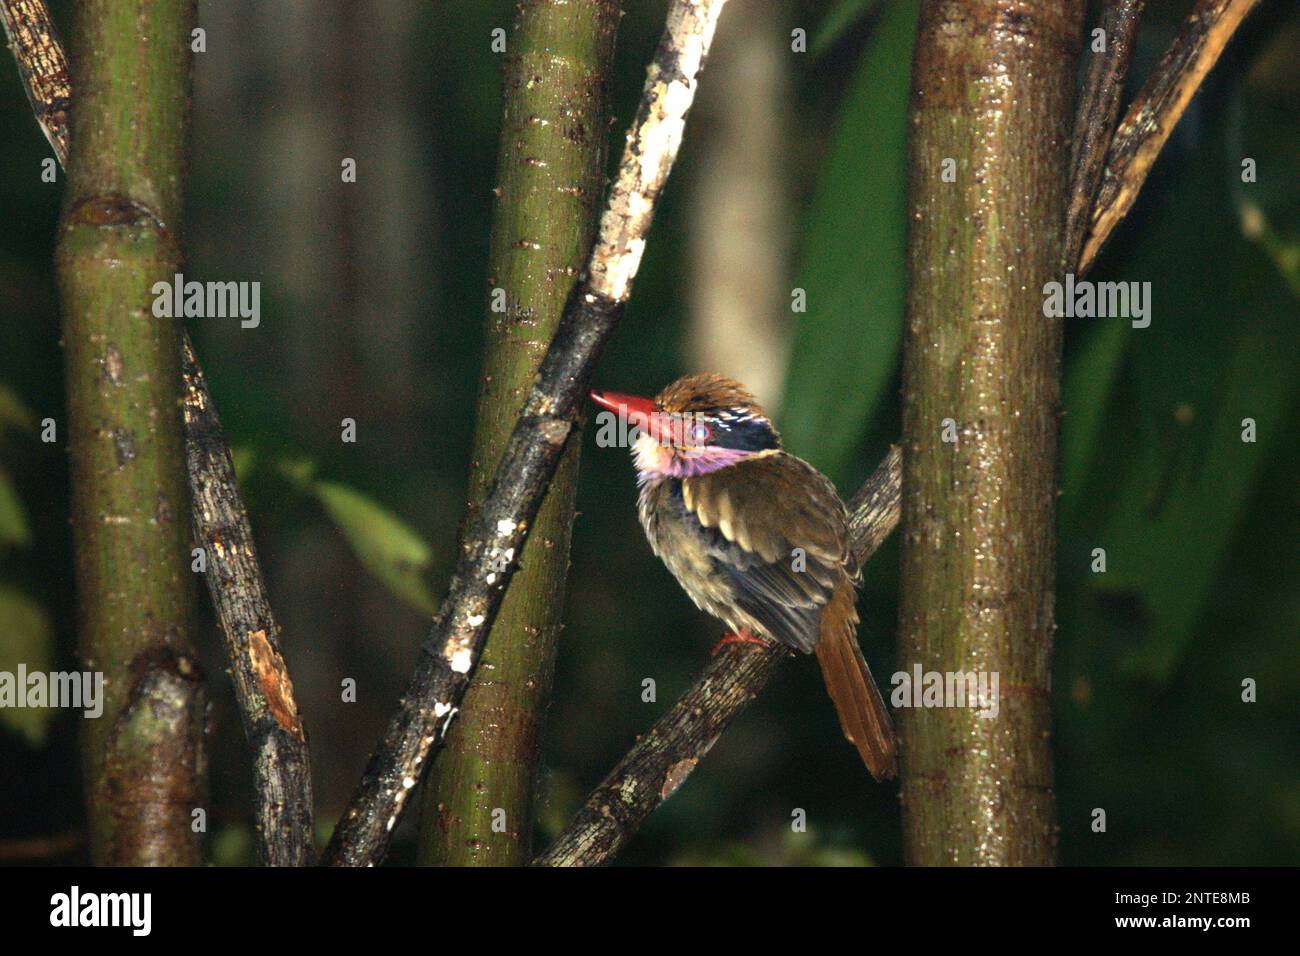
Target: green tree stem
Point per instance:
(992, 90)
(478, 800)
(143, 758)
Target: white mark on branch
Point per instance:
(652, 146)
(447, 723)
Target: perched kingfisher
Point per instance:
(757, 537)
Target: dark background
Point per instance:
(373, 297)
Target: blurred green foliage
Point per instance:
(852, 268)
(29, 642)
(385, 545)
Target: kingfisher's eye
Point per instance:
(699, 433)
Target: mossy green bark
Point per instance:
(143, 758)
(478, 803)
(992, 89)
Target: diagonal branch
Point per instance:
(1094, 120)
(219, 520)
(497, 532)
(661, 759)
(42, 66)
(1155, 111)
(281, 765)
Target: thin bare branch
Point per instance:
(1155, 112)
(1094, 118)
(267, 708)
(496, 534)
(43, 67)
(664, 757)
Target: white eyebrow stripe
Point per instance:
(732, 416)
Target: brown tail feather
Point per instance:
(863, 714)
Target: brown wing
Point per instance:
(778, 533)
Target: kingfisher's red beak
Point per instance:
(638, 411)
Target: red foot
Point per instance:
(740, 637)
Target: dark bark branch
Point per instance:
(281, 767)
(42, 66)
(1094, 117)
(496, 534)
(1155, 111)
(664, 757)
(873, 509)
(218, 518)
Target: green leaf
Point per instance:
(835, 24)
(383, 543)
(1159, 432)
(846, 345)
(233, 845)
(13, 517)
(1185, 510)
(297, 471)
(244, 458)
(1089, 382)
(26, 637)
(1285, 255)
(13, 413)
